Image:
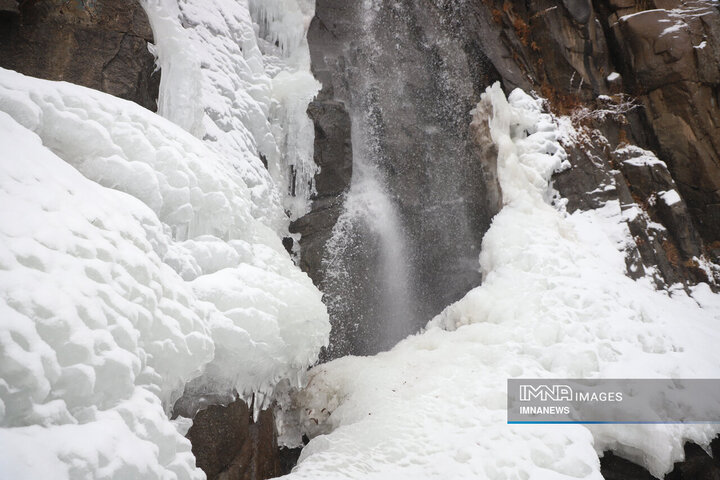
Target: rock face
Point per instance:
(670, 59)
(631, 73)
(101, 44)
(333, 154)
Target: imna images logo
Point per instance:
(546, 393)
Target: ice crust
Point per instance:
(130, 264)
(226, 81)
(555, 303)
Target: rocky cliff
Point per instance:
(629, 73)
(640, 81)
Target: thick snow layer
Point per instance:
(130, 264)
(237, 74)
(555, 302)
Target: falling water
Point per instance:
(369, 226)
(407, 242)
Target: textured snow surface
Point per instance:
(225, 80)
(130, 264)
(554, 303)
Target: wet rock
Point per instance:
(101, 44)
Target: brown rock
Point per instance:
(651, 181)
(676, 75)
(667, 53)
(229, 445)
(101, 45)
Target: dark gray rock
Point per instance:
(333, 154)
(580, 10)
(9, 7)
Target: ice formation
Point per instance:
(130, 264)
(555, 303)
(237, 74)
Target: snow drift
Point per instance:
(130, 264)
(555, 303)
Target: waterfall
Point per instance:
(370, 227)
(407, 241)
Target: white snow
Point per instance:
(671, 197)
(224, 80)
(677, 16)
(555, 302)
(641, 157)
(613, 76)
(672, 29)
(130, 264)
(625, 18)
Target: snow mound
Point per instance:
(237, 74)
(130, 265)
(554, 303)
